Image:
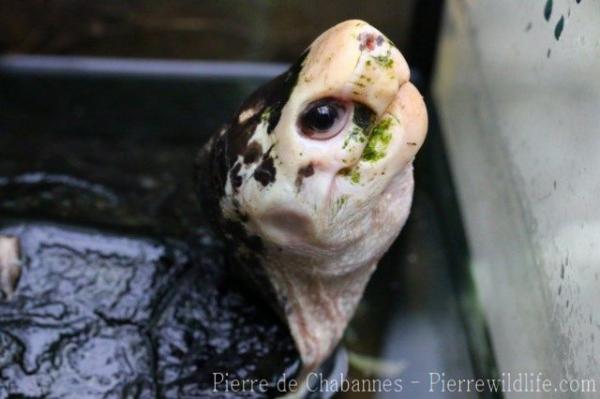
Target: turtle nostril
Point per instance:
(345, 171)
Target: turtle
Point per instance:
(312, 180)
(304, 190)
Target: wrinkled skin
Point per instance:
(306, 218)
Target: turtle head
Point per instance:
(314, 178)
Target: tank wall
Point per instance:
(518, 90)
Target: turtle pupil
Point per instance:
(321, 117)
(324, 118)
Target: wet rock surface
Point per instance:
(123, 291)
(104, 315)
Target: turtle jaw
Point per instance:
(318, 290)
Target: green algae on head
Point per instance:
(357, 135)
(355, 176)
(378, 140)
(385, 61)
(340, 203)
(352, 173)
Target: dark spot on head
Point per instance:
(548, 10)
(363, 116)
(411, 143)
(559, 27)
(216, 161)
(548, 53)
(369, 40)
(305, 171)
(238, 233)
(280, 90)
(265, 173)
(253, 152)
(238, 136)
(226, 148)
(528, 27)
(345, 171)
(220, 157)
(236, 179)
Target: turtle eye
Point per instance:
(324, 119)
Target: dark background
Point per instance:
(254, 30)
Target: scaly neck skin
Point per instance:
(317, 293)
(317, 308)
